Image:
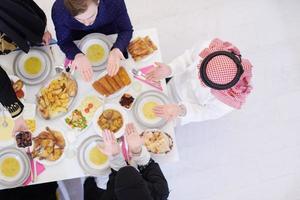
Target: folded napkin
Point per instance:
(39, 169)
(146, 70)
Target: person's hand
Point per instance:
(113, 64)
(20, 125)
(111, 146)
(84, 66)
(46, 38)
(167, 112)
(159, 72)
(133, 139)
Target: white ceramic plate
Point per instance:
(116, 107)
(38, 78)
(24, 172)
(91, 42)
(97, 37)
(149, 96)
(83, 156)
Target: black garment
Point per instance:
(130, 184)
(22, 21)
(8, 96)
(46, 191)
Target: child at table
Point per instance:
(126, 182)
(197, 97)
(73, 19)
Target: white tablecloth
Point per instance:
(69, 168)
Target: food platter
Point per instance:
(56, 97)
(112, 117)
(157, 141)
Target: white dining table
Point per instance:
(69, 167)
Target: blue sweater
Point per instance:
(112, 18)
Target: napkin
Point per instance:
(39, 169)
(145, 70)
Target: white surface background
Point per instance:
(252, 154)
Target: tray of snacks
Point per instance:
(157, 142)
(114, 86)
(56, 97)
(49, 146)
(81, 117)
(141, 48)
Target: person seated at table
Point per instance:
(74, 19)
(207, 82)
(147, 182)
(46, 191)
(17, 31)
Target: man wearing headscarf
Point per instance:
(204, 91)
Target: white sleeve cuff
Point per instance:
(117, 162)
(143, 158)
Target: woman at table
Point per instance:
(205, 83)
(19, 31)
(73, 19)
(126, 182)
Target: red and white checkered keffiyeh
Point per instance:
(221, 70)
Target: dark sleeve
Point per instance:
(63, 33)
(37, 9)
(8, 97)
(156, 181)
(110, 188)
(124, 26)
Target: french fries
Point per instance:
(56, 97)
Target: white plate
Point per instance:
(90, 42)
(46, 162)
(96, 36)
(116, 107)
(15, 79)
(119, 92)
(82, 156)
(26, 78)
(149, 96)
(24, 162)
(89, 121)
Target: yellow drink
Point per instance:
(148, 110)
(10, 167)
(33, 65)
(95, 53)
(97, 157)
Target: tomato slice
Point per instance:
(90, 105)
(87, 110)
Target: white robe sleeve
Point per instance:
(197, 112)
(181, 63)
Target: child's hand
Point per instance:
(159, 72)
(46, 38)
(84, 66)
(111, 146)
(133, 139)
(113, 64)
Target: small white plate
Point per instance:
(116, 107)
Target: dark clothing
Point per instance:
(112, 18)
(130, 184)
(23, 22)
(8, 96)
(45, 191)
